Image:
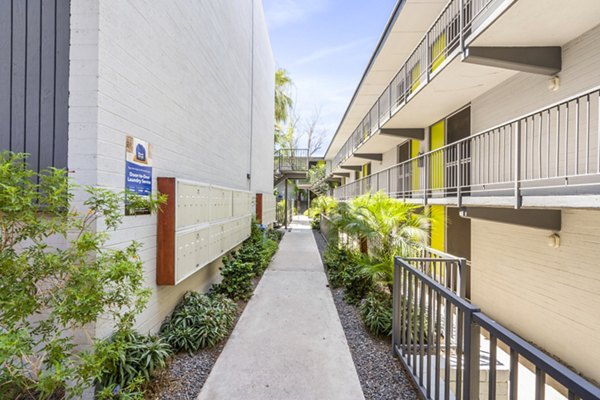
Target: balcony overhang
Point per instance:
(352, 167)
(342, 174)
(536, 60)
(531, 218)
(370, 156)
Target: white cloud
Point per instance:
(285, 12)
(329, 51)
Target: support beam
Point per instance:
(540, 219)
(411, 133)
(344, 174)
(370, 156)
(536, 60)
(352, 167)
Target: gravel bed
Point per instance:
(381, 375)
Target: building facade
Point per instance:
(192, 81)
(492, 122)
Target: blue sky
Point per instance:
(325, 45)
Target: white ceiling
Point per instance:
(414, 19)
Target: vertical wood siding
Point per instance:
(34, 75)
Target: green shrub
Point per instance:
(237, 279)
(199, 321)
(356, 284)
(376, 313)
(130, 360)
(336, 260)
(275, 234)
(52, 288)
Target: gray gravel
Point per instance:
(382, 376)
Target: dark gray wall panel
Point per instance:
(5, 74)
(34, 76)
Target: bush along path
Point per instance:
(200, 324)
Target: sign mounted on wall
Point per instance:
(138, 170)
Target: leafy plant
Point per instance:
(50, 289)
(199, 321)
(336, 260)
(321, 205)
(131, 358)
(237, 279)
(356, 283)
(376, 313)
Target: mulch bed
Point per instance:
(381, 375)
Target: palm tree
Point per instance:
(283, 100)
(391, 227)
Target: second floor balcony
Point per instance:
(544, 158)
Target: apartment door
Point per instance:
(458, 127)
(366, 183)
(402, 173)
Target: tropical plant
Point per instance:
(321, 205)
(130, 359)
(376, 313)
(389, 226)
(357, 283)
(283, 101)
(199, 321)
(57, 277)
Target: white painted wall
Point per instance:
(549, 296)
(184, 76)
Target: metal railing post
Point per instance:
(465, 279)
(458, 175)
(471, 348)
(425, 179)
(517, 161)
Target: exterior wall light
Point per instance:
(554, 240)
(554, 83)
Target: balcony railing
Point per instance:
(552, 151)
(454, 351)
(440, 43)
(291, 160)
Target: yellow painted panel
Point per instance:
(415, 77)
(437, 159)
(437, 51)
(438, 227)
(414, 152)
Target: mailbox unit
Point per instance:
(197, 225)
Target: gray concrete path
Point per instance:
(289, 342)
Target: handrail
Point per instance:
(432, 325)
(532, 151)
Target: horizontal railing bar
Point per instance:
(565, 376)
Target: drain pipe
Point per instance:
(285, 208)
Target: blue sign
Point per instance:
(138, 179)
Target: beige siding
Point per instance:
(550, 296)
(541, 141)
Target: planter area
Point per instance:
(197, 351)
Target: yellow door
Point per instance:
(438, 213)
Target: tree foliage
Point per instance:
(58, 276)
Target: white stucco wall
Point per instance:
(192, 79)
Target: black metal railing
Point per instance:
(551, 151)
(438, 335)
(291, 160)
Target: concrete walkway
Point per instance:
(289, 342)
